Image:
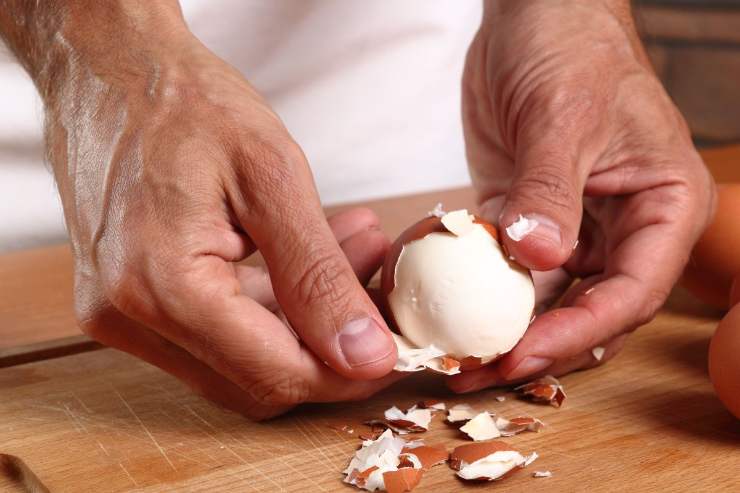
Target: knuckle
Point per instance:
(654, 299)
(547, 183)
(92, 315)
(322, 281)
(270, 169)
(277, 389)
(91, 308)
(123, 290)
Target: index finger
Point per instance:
(312, 279)
(647, 247)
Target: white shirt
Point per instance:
(369, 89)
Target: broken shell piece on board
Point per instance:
(342, 428)
(546, 389)
(412, 359)
(513, 426)
(381, 424)
(414, 420)
(432, 405)
(598, 352)
(428, 455)
(542, 474)
(402, 480)
(461, 412)
(486, 461)
(482, 427)
(374, 458)
(408, 460)
(412, 444)
(530, 458)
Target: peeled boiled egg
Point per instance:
(448, 285)
(715, 261)
(724, 364)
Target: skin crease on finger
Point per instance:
(563, 113)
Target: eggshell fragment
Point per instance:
(438, 210)
(542, 474)
(402, 480)
(598, 352)
(434, 406)
(414, 420)
(360, 478)
(408, 460)
(514, 426)
(459, 222)
(342, 428)
(412, 359)
(480, 428)
(545, 389)
(428, 455)
(486, 461)
(461, 412)
(374, 458)
(521, 228)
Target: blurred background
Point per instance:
(694, 46)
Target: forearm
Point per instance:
(97, 65)
(59, 40)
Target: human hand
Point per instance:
(171, 171)
(566, 124)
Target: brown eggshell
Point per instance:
(714, 260)
(402, 480)
(724, 364)
(472, 452)
(428, 455)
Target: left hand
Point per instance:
(566, 123)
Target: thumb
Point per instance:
(313, 281)
(541, 215)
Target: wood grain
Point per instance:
(36, 296)
(103, 421)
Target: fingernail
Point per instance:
(535, 225)
(362, 341)
(529, 366)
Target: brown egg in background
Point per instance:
(735, 292)
(724, 363)
(715, 260)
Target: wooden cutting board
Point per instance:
(102, 421)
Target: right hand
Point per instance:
(168, 179)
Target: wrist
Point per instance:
(613, 18)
